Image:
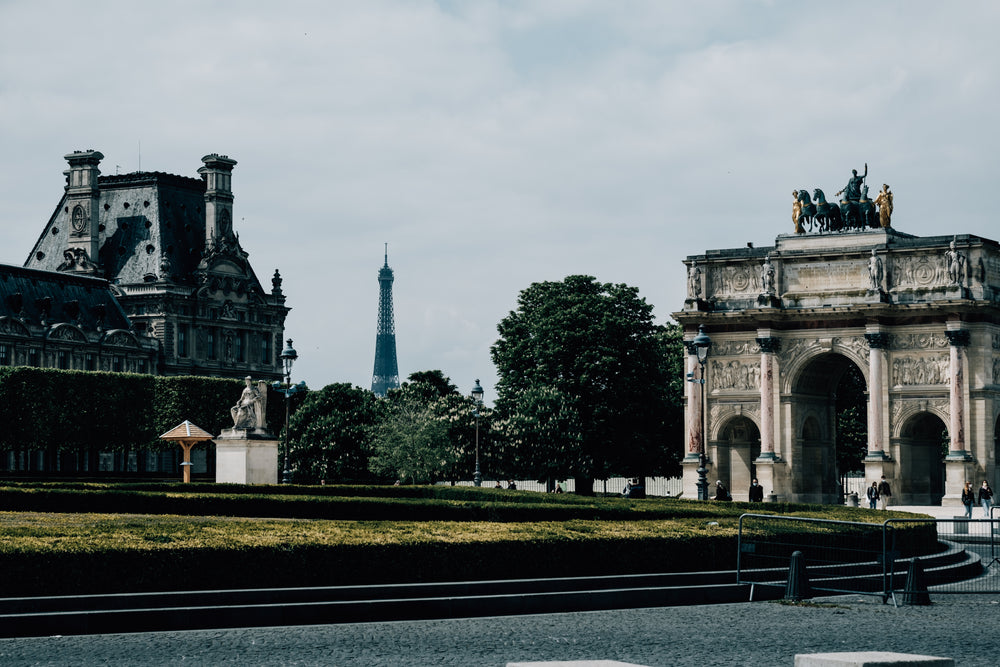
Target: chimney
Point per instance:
(83, 196)
(218, 175)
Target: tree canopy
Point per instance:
(584, 382)
(331, 433)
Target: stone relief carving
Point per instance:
(735, 279)
(918, 271)
(920, 370)
(919, 341)
(735, 375)
(732, 348)
(903, 409)
(723, 412)
(856, 344)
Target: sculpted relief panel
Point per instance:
(734, 280)
(919, 271)
(735, 375)
(920, 370)
(732, 348)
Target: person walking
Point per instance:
(884, 493)
(986, 498)
(872, 495)
(756, 492)
(968, 499)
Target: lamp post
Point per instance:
(288, 357)
(702, 344)
(477, 396)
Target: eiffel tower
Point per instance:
(386, 375)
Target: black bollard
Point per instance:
(798, 582)
(916, 585)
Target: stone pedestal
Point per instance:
(958, 469)
(244, 456)
(766, 476)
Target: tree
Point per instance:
(436, 379)
(411, 443)
(584, 383)
(331, 433)
(851, 444)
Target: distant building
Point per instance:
(386, 373)
(166, 246)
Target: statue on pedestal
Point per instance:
(248, 413)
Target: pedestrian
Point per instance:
(986, 498)
(872, 495)
(721, 492)
(884, 493)
(756, 492)
(968, 499)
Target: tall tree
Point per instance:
(331, 434)
(411, 442)
(437, 379)
(584, 381)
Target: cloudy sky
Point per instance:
(496, 144)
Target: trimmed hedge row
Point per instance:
(107, 411)
(367, 554)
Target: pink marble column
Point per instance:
(877, 344)
(694, 403)
(959, 340)
(769, 346)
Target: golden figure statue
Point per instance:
(797, 212)
(884, 202)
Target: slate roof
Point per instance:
(152, 228)
(59, 297)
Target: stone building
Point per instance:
(167, 246)
(917, 318)
(62, 320)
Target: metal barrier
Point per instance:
(840, 556)
(879, 559)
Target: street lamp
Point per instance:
(477, 396)
(288, 357)
(702, 344)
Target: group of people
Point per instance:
(985, 499)
(755, 494)
(879, 493)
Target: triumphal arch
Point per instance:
(918, 318)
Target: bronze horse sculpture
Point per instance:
(827, 215)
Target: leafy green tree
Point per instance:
(584, 381)
(851, 408)
(437, 379)
(331, 434)
(411, 442)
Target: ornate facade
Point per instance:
(167, 246)
(919, 318)
(59, 320)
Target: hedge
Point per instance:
(72, 410)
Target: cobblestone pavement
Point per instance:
(962, 627)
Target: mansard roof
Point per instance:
(152, 230)
(31, 296)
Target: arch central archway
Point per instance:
(736, 449)
(829, 408)
(923, 444)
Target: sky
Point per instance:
(497, 144)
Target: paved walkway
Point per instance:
(760, 633)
